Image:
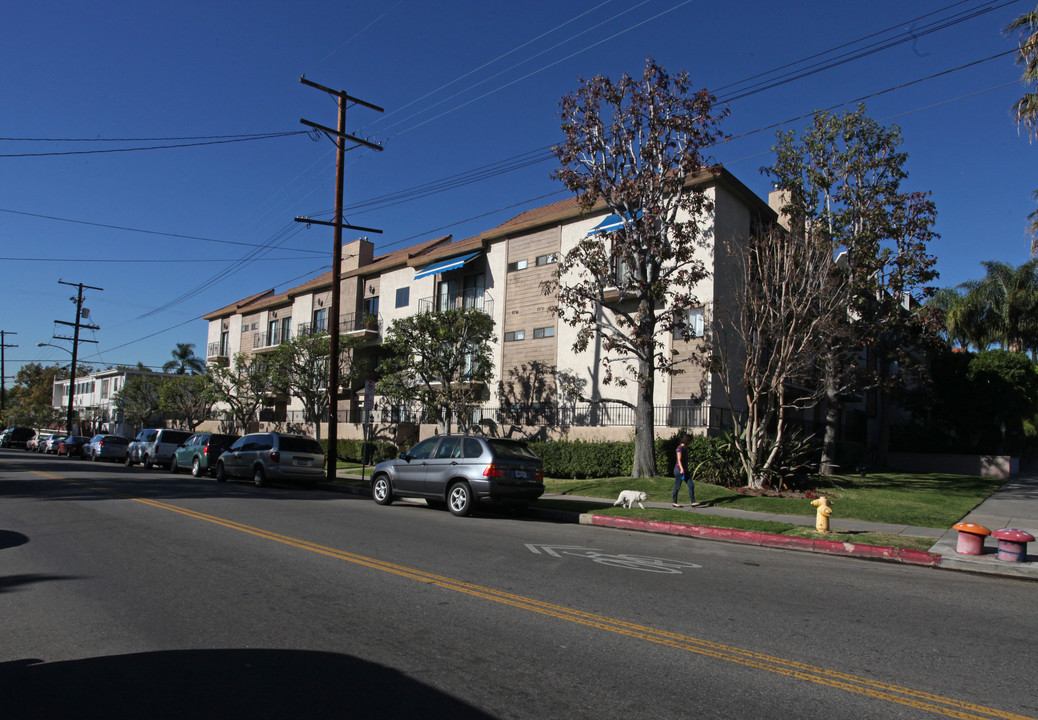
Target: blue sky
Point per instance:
(469, 88)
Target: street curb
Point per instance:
(748, 537)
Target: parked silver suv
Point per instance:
(459, 470)
(155, 446)
(274, 457)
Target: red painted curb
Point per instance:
(749, 537)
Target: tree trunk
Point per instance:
(644, 428)
(828, 465)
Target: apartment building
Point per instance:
(94, 400)
(500, 272)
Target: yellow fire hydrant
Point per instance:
(822, 516)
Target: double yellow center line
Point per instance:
(948, 707)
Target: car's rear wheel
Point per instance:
(382, 490)
(221, 472)
(259, 479)
(146, 462)
(174, 466)
(196, 467)
(128, 461)
(459, 499)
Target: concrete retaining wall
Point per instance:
(994, 466)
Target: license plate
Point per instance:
(304, 462)
(521, 474)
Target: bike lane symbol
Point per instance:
(629, 562)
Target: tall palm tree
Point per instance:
(184, 361)
(1026, 108)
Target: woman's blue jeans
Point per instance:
(680, 477)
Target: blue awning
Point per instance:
(445, 265)
(612, 222)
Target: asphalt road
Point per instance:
(127, 593)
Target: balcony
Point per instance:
(216, 351)
(365, 325)
(260, 341)
(468, 300)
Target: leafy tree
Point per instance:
(242, 386)
(302, 372)
(637, 147)
(138, 399)
(787, 299)
(30, 399)
(440, 359)
(184, 361)
(1026, 108)
(187, 400)
(843, 182)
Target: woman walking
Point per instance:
(681, 474)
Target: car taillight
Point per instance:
(539, 475)
(275, 457)
(206, 451)
(493, 471)
(100, 444)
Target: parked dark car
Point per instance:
(459, 471)
(16, 437)
(72, 445)
(200, 453)
(106, 447)
(276, 457)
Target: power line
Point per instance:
(155, 147)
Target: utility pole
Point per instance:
(3, 375)
(333, 341)
(78, 300)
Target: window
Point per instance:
(371, 306)
(693, 320)
(286, 329)
(403, 297)
(517, 265)
(514, 336)
(272, 333)
(544, 332)
(320, 320)
(547, 259)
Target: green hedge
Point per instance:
(580, 459)
(353, 450)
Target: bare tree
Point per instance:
(636, 146)
(788, 296)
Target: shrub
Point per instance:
(352, 450)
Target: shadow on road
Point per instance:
(10, 539)
(203, 684)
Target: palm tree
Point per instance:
(1007, 300)
(1026, 108)
(184, 360)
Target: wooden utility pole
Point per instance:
(333, 341)
(3, 375)
(78, 300)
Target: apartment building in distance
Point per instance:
(500, 272)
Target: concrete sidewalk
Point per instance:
(1014, 505)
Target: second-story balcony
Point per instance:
(216, 351)
(363, 324)
(468, 300)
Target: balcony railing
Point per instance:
(348, 323)
(471, 299)
(215, 350)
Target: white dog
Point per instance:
(629, 497)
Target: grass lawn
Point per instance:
(927, 500)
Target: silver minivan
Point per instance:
(276, 457)
(155, 446)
